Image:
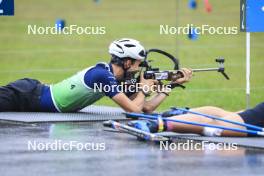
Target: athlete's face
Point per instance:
(134, 67)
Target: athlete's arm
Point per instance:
(153, 103)
(136, 102)
(102, 76)
(135, 105)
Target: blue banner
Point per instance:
(7, 7)
(252, 15)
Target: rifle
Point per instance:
(172, 75)
(169, 75)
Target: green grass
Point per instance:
(52, 58)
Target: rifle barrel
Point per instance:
(205, 69)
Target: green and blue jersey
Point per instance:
(79, 90)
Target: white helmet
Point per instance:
(126, 47)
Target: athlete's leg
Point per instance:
(8, 101)
(211, 110)
(184, 128)
(20, 95)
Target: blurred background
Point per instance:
(52, 58)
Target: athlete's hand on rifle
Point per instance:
(186, 76)
(147, 83)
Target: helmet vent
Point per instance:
(119, 46)
(142, 53)
(130, 45)
(123, 40)
(122, 51)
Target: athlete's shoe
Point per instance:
(152, 126)
(173, 112)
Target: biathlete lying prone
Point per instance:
(81, 89)
(207, 121)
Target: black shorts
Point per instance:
(22, 96)
(254, 116)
